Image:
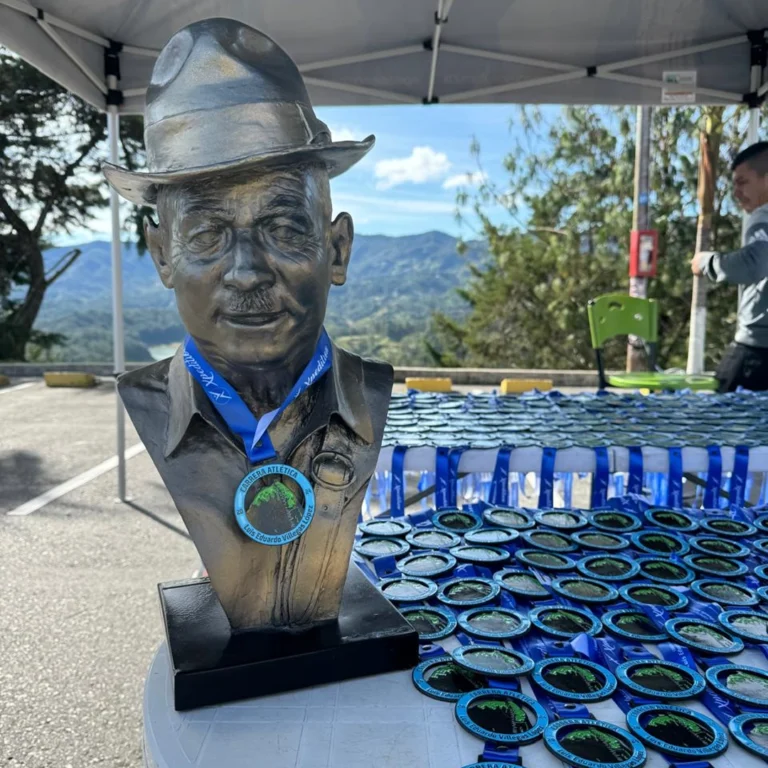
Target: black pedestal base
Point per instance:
(213, 665)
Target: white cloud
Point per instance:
(344, 133)
(465, 180)
(422, 165)
(378, 205)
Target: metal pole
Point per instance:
(118, 341)
(638, 286)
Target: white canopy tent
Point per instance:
(409, 52)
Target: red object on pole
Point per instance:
(643, 247)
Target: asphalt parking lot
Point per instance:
(79, 618)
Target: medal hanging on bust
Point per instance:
(267, 513)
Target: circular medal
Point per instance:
(469, 591)
(710, 545)
(384, 528)
(762, 574)
(704, 636)
(521, 583)
(677, 731)
(724, 526)
(602, 540)
(427, 563)
(664, 571)
(574, 679)
(562, 621)
(509, 518)
(442, 678)
(431, 538)
(432, 623)
(615, 522)
(671, 520)
(716, 566)
(372, 547)
(272, 512)
(607, 567)
(492, 536)
(761, 545)
(560, 519)
(586, 590)
(660, 679)
(407, 589)
(496, 662)
(724, 592)
(748, 625)
(653, 594)
(751, 731)
(747, 685)
(549, 541)
(589, 743)
(501, 716)
(659, 543)
(470, 553)
(456, 521)
(494, 623)
(761, 523)
(546, 561)
(633, 624)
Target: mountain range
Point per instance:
(393, 286)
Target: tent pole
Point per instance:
(638, 286)
(118, 341)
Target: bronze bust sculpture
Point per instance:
(239, 167)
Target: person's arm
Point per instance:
(743, 267)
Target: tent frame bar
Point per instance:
(387, 53)
(441, 18)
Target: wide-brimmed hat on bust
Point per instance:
(225, 98)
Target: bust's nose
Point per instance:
(249, 268)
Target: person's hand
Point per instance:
(697, 262)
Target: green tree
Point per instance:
(558, 235)
(51, 145)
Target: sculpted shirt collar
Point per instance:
(341, 393)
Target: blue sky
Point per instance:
(407, 183)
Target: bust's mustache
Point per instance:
(251, 303)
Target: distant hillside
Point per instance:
(394, 285)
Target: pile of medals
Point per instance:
(585, 420)
(644, 606)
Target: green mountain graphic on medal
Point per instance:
(275, 508)
(596, 744)
(661, 678)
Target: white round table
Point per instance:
(375, 722)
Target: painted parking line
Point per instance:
(33, 505)
(17, 387)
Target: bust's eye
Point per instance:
(205, 240)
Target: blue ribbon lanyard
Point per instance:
(600, 478)
(454, 457)
(635, 481)
(675, 487)
(736, 489)
(714, 478)
(397, 491)
(499, 496)
(547, 481)
(442, 478)
(237, 415)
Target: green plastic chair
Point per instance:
(617, 314)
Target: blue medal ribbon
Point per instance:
(499, 495)
(454, 457)
(714, 478)
(600, 478)
(236, 414)
(397, 491)
(547, 482)
(635, 482)
(442, 478)
(675, 487)
(738, 484)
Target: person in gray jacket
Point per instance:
(745, 362)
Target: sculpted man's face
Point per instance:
(251, 261)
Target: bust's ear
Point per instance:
(342, 234)
(158, 250)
